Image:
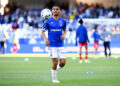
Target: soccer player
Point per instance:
(106, 36)
(15, 41)
(81, 34)
(96, 37)
(2, 40)
(56, 27)
(14, 28)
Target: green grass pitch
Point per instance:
(36, 72)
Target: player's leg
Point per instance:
(62, 58)
(54, 57)
(62, 63)
(0, 47)
(86, 52)
(54, 63)
(80, 54)
(96, 49)
(109, 49)
(105, 47)
(15, 48)
(54, 71)
(4, 47)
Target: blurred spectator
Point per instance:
(63, 14)
(21, 21)
(110, 13)
(30, 19)
(87, 12)
(1, 19)
(72, 15)
(36, 21)
(15, 25)
(2, 40)
(32, 16)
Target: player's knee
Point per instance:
(55, 62)
(62, 63)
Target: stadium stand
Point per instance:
(30, 21)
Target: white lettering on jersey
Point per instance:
(56, 29)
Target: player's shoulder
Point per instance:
(48, 20)
(95, 31)
(82, 26)
(62, 19)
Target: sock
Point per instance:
(86, 57)
(80, 57)
(58, 67)
(54, 74)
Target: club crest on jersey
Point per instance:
(60, 23)
(51, 22)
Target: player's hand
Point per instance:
(62, 37)
(47, 43)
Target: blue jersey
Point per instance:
(81, 33)
(96, 36)
(55, 30)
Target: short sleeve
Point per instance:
(45, 26)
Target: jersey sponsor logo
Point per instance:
(56, 29)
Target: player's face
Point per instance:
(56, 11)
(97, 28)
(104, 27)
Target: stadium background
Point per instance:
(30, 22)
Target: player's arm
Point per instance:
(100, 37)
(93, 35)
(76, 37)
(45, 27)
(111, 34)
(86, 33)
(44, 37)
(64, 32)
(64, 35)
